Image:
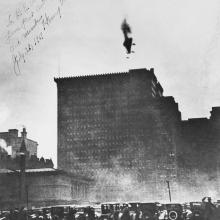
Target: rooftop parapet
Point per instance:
(131, 71)
(215, 113)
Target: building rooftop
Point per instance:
(4, 171)
(195, 120)
(41, 170)
(29, 170)
(14, 133)
(45, 171)
(131, 71)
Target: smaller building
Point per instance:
(43, 187)
(21, 186)
(198, 155)
(12, 162)
(33, 162)
(12, 139)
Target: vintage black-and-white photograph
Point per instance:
(110, 110)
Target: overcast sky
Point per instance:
(178, 38)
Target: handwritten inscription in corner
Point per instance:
(27, 25)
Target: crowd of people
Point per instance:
(49, 213)
(204, 210)
(22, 214)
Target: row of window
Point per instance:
(119, 150)
(102, 118)
(114, 131)
(127, 158)
(105, 165)
(85, 137)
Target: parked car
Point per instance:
(174, 211)
(149, 211)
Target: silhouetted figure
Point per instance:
(71, 214)
(137, 214)
(209, 208)
(126, 214)
(116, 215)
(22, 214)
(128, 42)
(91, 214)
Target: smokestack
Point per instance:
(24, 133)
(22, 155)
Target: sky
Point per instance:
(43, 39)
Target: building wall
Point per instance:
(115, 120)
(48, 188)
(9, 191)
(43, 188)
(199, 156)
(33, 162)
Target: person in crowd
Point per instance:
(126, 214)
(209, 208)
(91, 213)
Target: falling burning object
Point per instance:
(128, 42)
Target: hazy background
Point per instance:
(179, 39)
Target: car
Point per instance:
(98, 211)
(174, 211)
(81, 212)
(133, 206)
(197, 210)
(61, 210)
(149, 210)
(109, 209)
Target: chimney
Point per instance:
(24, 133)
(22, 155)
(152, 70)
(23, 148)
(215, 113)
(13, 133)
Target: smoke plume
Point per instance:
(4, 148)
(125, 28)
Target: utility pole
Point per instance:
(27, 199)
(168, 185)
(22, 155)
(22, 178)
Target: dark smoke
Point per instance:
(126, 29)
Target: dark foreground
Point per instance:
(120, 211)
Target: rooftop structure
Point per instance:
(13, 140)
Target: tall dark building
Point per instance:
(119, 122)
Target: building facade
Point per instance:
(119, 124)
(43, 187)
(198, 158)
